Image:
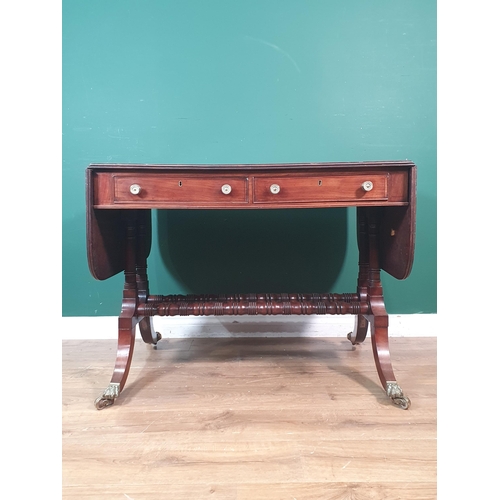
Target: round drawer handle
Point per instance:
(275, 188)
(367, 185)
(135, 189)
(226, 188)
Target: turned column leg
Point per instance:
(127, 322)
(379, 323)
(358, 335)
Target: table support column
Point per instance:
(148, 333)
(358, 335)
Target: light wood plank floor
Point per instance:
(260, 419)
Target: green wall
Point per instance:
(229, 81)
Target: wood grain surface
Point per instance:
(284, 418)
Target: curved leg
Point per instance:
(379, 322)
(127, 322)
(358, 335)
(125, 350)
(379, 319)
(148, 333)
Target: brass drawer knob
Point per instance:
(226, 188)
(367, 185)
(275, 188)
(135, 189)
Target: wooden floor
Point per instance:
(259, 419)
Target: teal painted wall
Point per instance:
(225, 81)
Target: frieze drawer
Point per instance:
(179, 189)
(321, 188)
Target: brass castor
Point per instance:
(349, 338)
(158, 338)
(102, 402)
(108, 397)
(396, 394)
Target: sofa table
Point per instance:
(120, 198)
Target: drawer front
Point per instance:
(179, 189)
(316, 189)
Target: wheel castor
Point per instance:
(108, 397)
(396, 394)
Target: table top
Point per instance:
(112, 189)
(296, 185)
(251, 166)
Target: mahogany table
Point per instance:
(119, 203)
